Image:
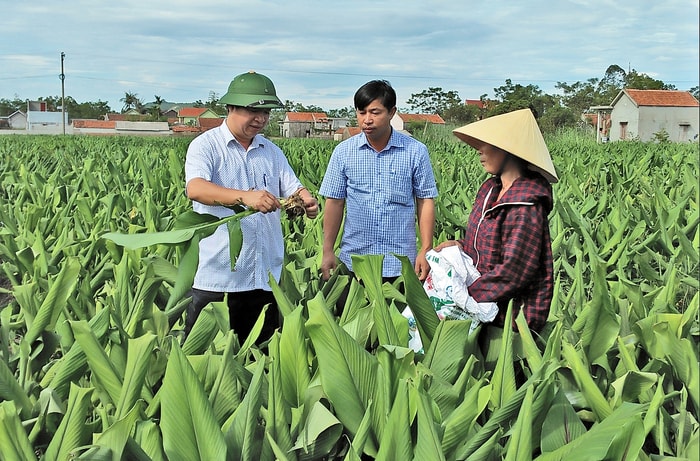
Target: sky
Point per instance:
(319, 53)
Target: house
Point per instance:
(119, 127)
(400, 121)
(475, 102)
(15, 121)
(642, 114)
(41, 120)
(192, 115)
(341, 134)
(306, 125)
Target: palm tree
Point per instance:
(131, 101)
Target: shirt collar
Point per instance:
(395, 140)
(229, 137)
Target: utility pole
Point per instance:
(63, 94)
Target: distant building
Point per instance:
(15, 121)
(642, 114)
(40, 120)
(193, 115)
(400, 121)
(306, 125)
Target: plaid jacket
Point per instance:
(510, 244)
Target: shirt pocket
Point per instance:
(400, 186)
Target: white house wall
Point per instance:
(644, 122)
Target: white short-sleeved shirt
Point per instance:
(218, 157)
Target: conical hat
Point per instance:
(516, 132)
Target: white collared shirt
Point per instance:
(218, 157)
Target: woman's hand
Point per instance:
(445, 244)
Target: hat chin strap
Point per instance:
(262, 102)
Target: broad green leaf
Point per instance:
(116, 436)
(13, 437)
(59, 292)
(450, 349)
(595, 398)
(631, 385)
(421, 306)
(138, 360)
(189, 428)
(104, 374)
(504, 373)
(348, 372)
(561, 426)
(241, 432)
(428, 444)
(396, 443)
(293, 359)
(235, 236)
(11, 390)
(519, 446)
(616, 437)
(72, 432)
(321, 432)
(279, 419)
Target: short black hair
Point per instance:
(375, 89)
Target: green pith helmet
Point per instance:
(252, 90)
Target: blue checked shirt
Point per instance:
(379, 190)
(217, 156)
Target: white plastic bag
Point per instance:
(451, 273)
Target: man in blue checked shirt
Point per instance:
(383, 181)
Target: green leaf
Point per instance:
(241, 432)
(13, 437)
(72, 432)
(137, 363)
(504, 373)
(104, 373)
(520, 443)
(561, 426)
(582, 375)
(56, 299)
(235, 236)
(348, 372)
(321, 432)
(396, 443)
(190, 430)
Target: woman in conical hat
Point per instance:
(507, 235)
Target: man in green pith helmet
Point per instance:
(233, 164)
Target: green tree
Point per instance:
(643, 82)
(462, 114)
(580, 96)
(695, 91)
(10, 106)
(131, 101)
(434, 100)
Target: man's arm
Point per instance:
(425, 211)
(332, 218)
(208, 193)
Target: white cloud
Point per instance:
(319, 53)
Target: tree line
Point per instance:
(554, 111)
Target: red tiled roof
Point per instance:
(351, 130)
(662, 98)
(209, 123)
(432, 118)
(103, 124)
(306, 116)
(191, 111)
(185, 129)
(475, 102)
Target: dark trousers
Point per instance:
(244, 307)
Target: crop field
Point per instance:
(94, 365)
